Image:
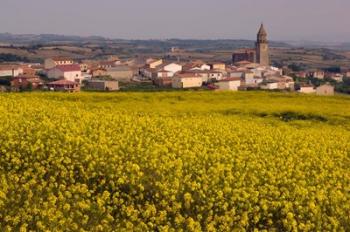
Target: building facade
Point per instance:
(68, 72)
(246, 55)
(231, 84)
(53, 62)
(325, 90)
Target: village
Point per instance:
(249, 69)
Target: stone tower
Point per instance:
(262, 47)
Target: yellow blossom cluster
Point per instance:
(174, 162)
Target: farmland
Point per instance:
(176, 161)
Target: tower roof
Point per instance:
(262, 30)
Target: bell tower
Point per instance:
(262, 47)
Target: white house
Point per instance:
(229, 84)
(67, 72)
(10, 70)
(53, 62)
(172, 68)
(236, 74)
(186, 80)
(337, 77)
(251, 80)
(216, 75)
(164, 74)
(270, 85)
(307, 89)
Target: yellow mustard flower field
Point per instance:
(176, 161)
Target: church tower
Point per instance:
(262, 47)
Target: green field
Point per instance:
(174, 161)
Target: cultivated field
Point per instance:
(180, 161)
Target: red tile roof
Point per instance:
(69, 68)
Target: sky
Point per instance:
(285, 20)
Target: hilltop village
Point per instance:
(250, 69)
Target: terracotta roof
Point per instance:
(69, 68)
(9, 67)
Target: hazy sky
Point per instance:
(319, 20)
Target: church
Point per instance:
(258, 55)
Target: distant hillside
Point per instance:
(45, 39)
(30, 39)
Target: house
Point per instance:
(208, 75)
(28, 70)
(301, 74)
(287, 82)
(164, 74)
(99, 72)
(120, 73)
(307, 88)
(149, 73)
(318, 74)
(84, 67)
(337, 77)
(250, 79)
(171, 68)
(10, 70)
(326, 90)
(26, 82)
(108, 64)
(186, 80)
(278, 82)
(163, 82)
(204, 74)
(215, 74)
(218, 66)
(196, 66)
(152, 63)
(86, 76)
(70, 72)
(64, 85)
(270, 85)
(102, 85)
(53, 62)
(229, 84)
(244, 55)
(159, 69)
(202, 67)
(233, 73)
